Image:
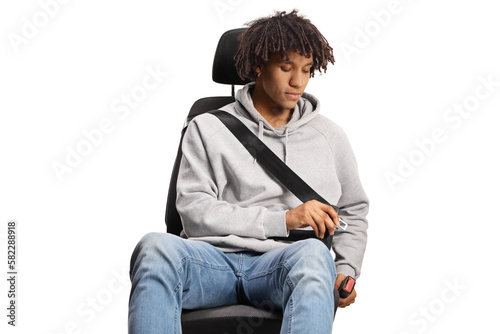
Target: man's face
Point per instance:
(283, 81)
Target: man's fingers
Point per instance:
(318, 219)
(310, 222)
(311, 217)
(321, 217)
(333, 214)
(344, 302)
(328, 216)
(348, 300)
(329, 210)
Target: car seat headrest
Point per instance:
(224, 70)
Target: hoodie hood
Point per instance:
(306, 109)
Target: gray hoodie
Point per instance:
(225, 198)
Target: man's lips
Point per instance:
(293, 95)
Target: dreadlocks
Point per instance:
(280, 34)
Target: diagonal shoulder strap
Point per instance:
(270, 161)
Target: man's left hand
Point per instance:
(343, 302)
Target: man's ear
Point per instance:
(258, 70)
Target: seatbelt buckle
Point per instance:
(343, 225)
(346, 287)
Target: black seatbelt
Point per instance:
(270, 161)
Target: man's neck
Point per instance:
(275, 116)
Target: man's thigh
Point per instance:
(267, 280)
(199, 274)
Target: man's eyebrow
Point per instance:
(284, 61)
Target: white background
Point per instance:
(437, 226)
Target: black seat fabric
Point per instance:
(223, 70)
(231, 319)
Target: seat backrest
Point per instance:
(224, 72)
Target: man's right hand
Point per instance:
(321, 217)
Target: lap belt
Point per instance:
(279, 169)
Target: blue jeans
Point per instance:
(169, 273)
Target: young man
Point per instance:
(231, 208)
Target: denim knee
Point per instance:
(314, 257)
(157, 242)
(155, 251)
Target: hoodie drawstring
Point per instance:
(261, 137)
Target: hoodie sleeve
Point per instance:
(203, 212)
(349, 245)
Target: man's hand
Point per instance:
(343, 302)
(321, 217)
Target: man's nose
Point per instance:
(296, 80)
